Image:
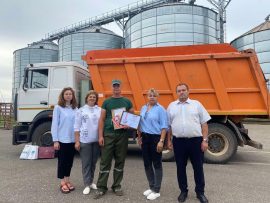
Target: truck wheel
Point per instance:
(222, 144)
(42, 135)
(167, 155)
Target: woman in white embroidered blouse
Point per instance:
(86, 136)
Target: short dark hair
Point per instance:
(181, 85)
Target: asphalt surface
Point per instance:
(245, 179)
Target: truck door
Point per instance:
(35, 99)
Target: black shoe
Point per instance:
(182, 197)
(202, 198)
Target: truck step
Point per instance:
(254, 144)
(23, 133)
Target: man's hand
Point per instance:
(140, 142)
(125, 126)
(101, 141)
(56, 145)
(159, 146)
(204, 146)
(77, 146)
(169, 145)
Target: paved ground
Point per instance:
(246, 178)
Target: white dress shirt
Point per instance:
(86, 122)
(186, 118)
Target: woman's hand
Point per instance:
(140, 142)
(56, 145)
(77, 146)
(159, 146)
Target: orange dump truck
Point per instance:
(229, 84)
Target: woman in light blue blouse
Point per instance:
(151, 135)
(63, 136)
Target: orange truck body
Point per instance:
(224, 80)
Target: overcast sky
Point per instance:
(25, 21)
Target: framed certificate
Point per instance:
(130, 119)
(116, 117)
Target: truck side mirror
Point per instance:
(25, 79)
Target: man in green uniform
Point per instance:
(114, 143)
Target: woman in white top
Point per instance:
(86, 135)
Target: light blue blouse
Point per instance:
(63, 124)
(153, 121)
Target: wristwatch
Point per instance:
(206, 140)
(161, 140)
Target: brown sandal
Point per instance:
(64, 189)
(70, 186)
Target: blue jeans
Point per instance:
(152, 158)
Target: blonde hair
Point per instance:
(154, 91)
(61, 100)
(89, 93)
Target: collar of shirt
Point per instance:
(153, 106)
(188, 101)
(94, 107)
(69, 106)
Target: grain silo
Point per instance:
(42, 52)
(258, 39)
(172, 25)
(73, 46)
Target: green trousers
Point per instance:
(115, 146)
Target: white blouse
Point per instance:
(86, 122)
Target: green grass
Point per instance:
(2, 120)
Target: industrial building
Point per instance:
(258, 39)
(41, 52)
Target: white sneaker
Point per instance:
(93, 186)
(86, 191)
(153, 196)
(147, 192)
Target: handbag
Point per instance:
(25, 152)
(46, 152)
(33, 153)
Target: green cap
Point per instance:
(116, 81)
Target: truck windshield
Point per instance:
(38, 78)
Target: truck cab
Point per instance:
(38, 95)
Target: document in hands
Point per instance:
(130, 119)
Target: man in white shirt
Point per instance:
(187, 120)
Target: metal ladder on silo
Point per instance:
(116, 15)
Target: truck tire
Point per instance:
(42, 135)
(222, 144)
(167, 155)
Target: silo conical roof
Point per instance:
(261, 27)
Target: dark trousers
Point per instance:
(65, 159)
(184, 148)
(152, 158)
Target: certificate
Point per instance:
(116, 116)
(130, 119)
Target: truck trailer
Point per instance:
(228, 83)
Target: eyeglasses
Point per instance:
(145, 115)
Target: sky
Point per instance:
(25, 21)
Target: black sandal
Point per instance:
(64, 190)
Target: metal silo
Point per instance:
(35, 53)
(72, 46)
(258, 39)
(172, 25)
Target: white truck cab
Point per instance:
(38, 94)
